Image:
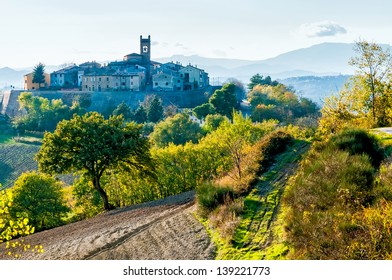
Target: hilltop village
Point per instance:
(136, 72)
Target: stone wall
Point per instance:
(102, 101)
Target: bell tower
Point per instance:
(145, 49)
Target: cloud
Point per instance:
(154, 43)
(322, 29)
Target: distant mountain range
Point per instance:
(322, 60)
(325, 59)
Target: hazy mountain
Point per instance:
(316, 88)
(326, 59)
(12, 77)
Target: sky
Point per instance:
(75, 31)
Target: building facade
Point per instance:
(29, 85)
(193, 77)
(115, 80)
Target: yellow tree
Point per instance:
(374, 66)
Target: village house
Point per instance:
(29, 85)
(106, 79)
(193, 77)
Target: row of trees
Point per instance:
(43, 114)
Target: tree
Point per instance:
(224, 100)
(140, 115)
(240, 91)
(124, 110)
(12, 228)
(91, 145)
(203, 110)
(40, 199)
(375, 66)
(43, 114)
(154, 109)
(259, 80)
(178, 130)
(39, 74)
(212, 122)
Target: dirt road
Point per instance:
(164, 229)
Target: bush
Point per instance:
(272, 145)
(210, 196)
(357, 142)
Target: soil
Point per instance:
(163, 230)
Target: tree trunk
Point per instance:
(103, 194)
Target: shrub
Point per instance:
(210, 196)
(356, 142)
(272, 145)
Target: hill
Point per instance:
(9, 76)
(316, 88)
(326, 59)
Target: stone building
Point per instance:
(167, 80)
(193, 77)
(106, 79)
(69, 77)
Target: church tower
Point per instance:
(145, 49)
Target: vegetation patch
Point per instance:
(15, 159)
(336, 204)
(253, 235)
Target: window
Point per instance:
(107, 79)
(156, 84)
(167, 83)
(99, 78)
(131, 83)
(86, 86)
(123, 83)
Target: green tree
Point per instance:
(203, 110)
(224, 100)
(234, 139)
(140, 115)
(43, 114)
(259, 80)
(374, 65)
(11, 228)
(178, 130)
(40, 199)
(92, 145)
(154, 110)
(39, 74)
(124, 110)
(212, 122)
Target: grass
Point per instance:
(259, 234)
